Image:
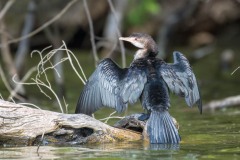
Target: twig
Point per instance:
(235, 70)
(41, 70)
(30, 104)
(6, 8)
(13, 93)
(70, 53)
(13, 100)
(40, 141)
(44, 25)
(107, 118)
(66, 105)
(110, 117)
(91, 32)
(41, 78)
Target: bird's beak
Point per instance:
(133, 41)
(128, 39)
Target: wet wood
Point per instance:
(21, 125)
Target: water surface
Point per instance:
(212, 135)
(208, 136)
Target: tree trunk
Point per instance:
(23, 46)
(21, 125)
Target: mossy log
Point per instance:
(21, 125)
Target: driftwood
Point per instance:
(21, 125)
(223, 103)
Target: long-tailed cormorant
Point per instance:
(149, 79)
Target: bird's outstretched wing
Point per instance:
(181, 80)
(112, 87)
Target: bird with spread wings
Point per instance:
(149, 79)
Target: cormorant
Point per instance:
(149, 79)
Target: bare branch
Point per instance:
(70, 53)
(29, 104)
(91, 31)
(44, 25)
(13, 93)
(6, 8)
(42, 138)
(111, 117)
(41, 78)
(118, 34)
(235, 70)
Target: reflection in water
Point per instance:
(133, 145)
(137, 149)
(208, 136)
(164, 146)
(133, 150)
(203, 137)
(117, 151)
(46, 152)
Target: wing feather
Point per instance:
(181, 80)
(112, 87)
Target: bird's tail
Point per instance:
(161, 128)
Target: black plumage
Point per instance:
(148, 78)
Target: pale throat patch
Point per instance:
(141, 53)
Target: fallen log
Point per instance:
(21, 125)
(223, 103)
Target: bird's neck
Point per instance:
(146, 52)
(141, 53)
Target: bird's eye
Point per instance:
(135, 39)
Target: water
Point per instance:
(212, 135)
(208, 136)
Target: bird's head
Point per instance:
(142, 41)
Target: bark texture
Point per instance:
(21, 125)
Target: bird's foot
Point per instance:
(144, 117)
